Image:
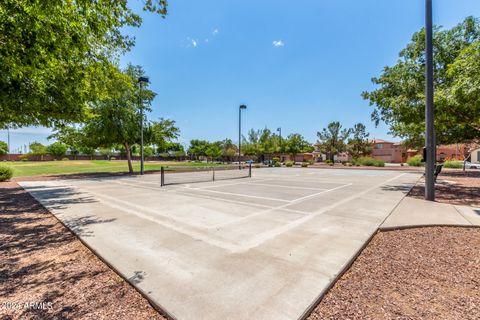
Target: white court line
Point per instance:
(190, 194)
(224, 244)
(224, 184)
(261, 238)
(282, 186)
(239, 194)
(282, 207)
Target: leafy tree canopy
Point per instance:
(56, 56)
(57, 149)
(296, 143)
(331, 140)
(36, 148)
(3, 147)
(359, 145)
(399, 100)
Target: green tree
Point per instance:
(3, 147)
(331, 140)
(38, 149)
(359, 145)
(464, 94)
(295, 144)
(147, 151)
(198, 148)
(56, 56)
(399, 100)
(161, 133)
(57, 149)
(213, 152)
(116, 119)
(229, 149)
(88, 151)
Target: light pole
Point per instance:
(141, 82)
(8, 143)
(242, 107)
(429, 106)
(279, 129)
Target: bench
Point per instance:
(436, 171)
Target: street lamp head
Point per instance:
(243, 106)
(143, 80)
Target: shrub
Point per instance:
(65, 159)
(453, 164)
(5, 173)
(113, 158)
(24, 157)
(275, 159)
(56, 149)
(277, 164)
(328, 161)
(311, 162)
(368, 162)
(289, 163)
(415, 161)
(304, 164)
(258, 165)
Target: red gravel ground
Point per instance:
(42, 262)
(454, 187)
(422, 273)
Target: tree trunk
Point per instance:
(129, 157)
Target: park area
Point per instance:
(285, 243)
(185, 160)
(65, 167)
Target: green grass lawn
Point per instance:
(35, 168)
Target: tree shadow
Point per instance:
(405, 187)
(80, 225)
(59, 197)
(138, 276)
(36, 251)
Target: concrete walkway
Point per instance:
(413, 212)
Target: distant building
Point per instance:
(475, 155)
(392, 152)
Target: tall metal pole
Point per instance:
(429, 107)
(141, 81)
(281, 141)
(141, 138)
(240, 135)
(8, 143)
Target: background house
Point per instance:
(392, 152)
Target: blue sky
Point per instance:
(296, 65)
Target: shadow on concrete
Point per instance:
(405, 188)
(137, 277)
(80, 225)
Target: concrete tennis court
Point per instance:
(256, 248)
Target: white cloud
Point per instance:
(215, 32)
(278, 43)
(192, 43)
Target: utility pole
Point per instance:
(141, 81)
(429, 106)
(8, 144)
(242, 107)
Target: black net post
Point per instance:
(213, 173)
(250, 170)
(162, 176)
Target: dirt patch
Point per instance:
(422, 273)
(47, 267)
(454, 187)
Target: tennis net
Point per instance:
(192, 174)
